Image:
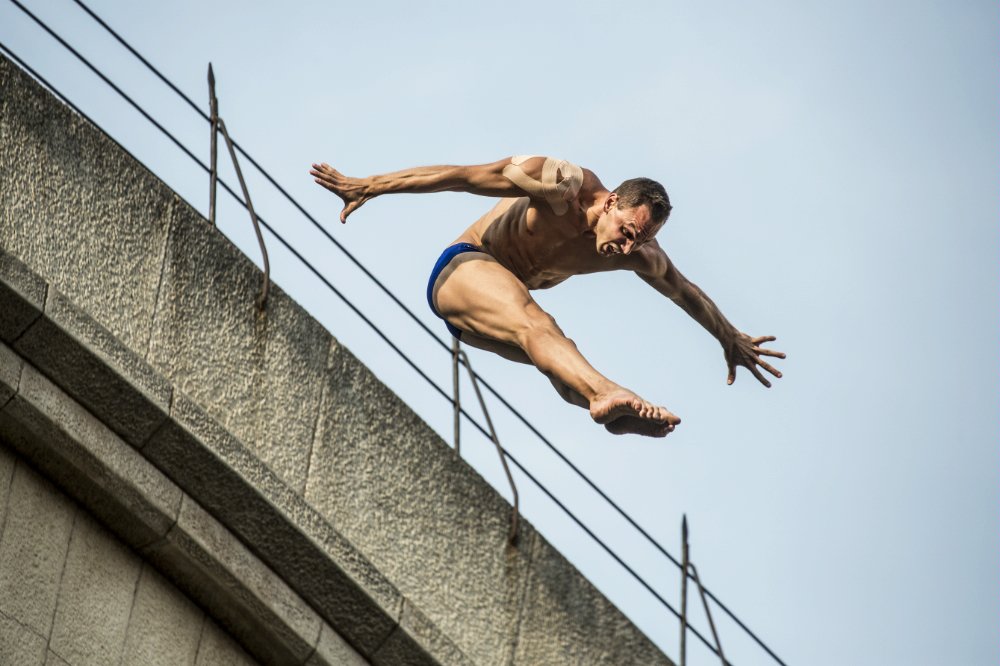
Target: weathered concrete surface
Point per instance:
(23, 292)
(218, 570)
(597, 632)
(95, 597)
(10, 373)
(90, 364)
(6, 478)
(119, 486)
(100, 604)
(332, 651)
(217, 648)
(19, 645)
(79, 210)
(165, 627)
(433, 524)
(366, 516)
(214, 466)
(75, 449)
(33, 550)
(258, 376)
(52, 659)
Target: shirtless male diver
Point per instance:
(554, 220)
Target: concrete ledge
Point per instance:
(23, 294)
(141, 503)
(10, 373)
(314, 558)
(79, 210)
(332, 651)
(77, 451)
(144, 508)
(418, 642)
(90, 364)
(208, 562)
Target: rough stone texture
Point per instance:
(19, 645)
(7, 464)
(331, 650)
(217, 648)
(95, 597)
(424, 518)
(79, 210)
(94, 582)
(165, 627)
(89, 363)
(10, 373)
(33, 549)
(418, 642)
(258, 375)
(224, 477)
(568, 621)
(22, 297)
(220, 573)
(52, 659)
(81, 454)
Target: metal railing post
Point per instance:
(686, 565)
(515, 516)
(455, 398)
(218, 124)
(684, 588)
(213, 105)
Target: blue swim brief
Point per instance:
(449, 253)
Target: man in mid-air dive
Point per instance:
(554, 220)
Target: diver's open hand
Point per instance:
(746, 351)
(352, 191)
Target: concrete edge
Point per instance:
(23, 295)
(211, 469)
(151, 514)
(86, 360)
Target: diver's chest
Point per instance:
(549, 265)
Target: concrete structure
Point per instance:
(184, 481)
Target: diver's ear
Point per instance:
(610, 202)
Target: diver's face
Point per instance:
(623, 230)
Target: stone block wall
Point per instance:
(72, 593)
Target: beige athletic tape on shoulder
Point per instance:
(558, 193)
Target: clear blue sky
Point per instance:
(833, 168)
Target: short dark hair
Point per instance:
(638, 191)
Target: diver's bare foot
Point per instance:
(625, 425)
(624, 412)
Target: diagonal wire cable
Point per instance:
(389, 293)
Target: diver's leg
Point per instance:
(478, 295)
(516, 354)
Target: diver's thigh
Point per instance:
(476, 294)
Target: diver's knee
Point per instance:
(536, 325)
